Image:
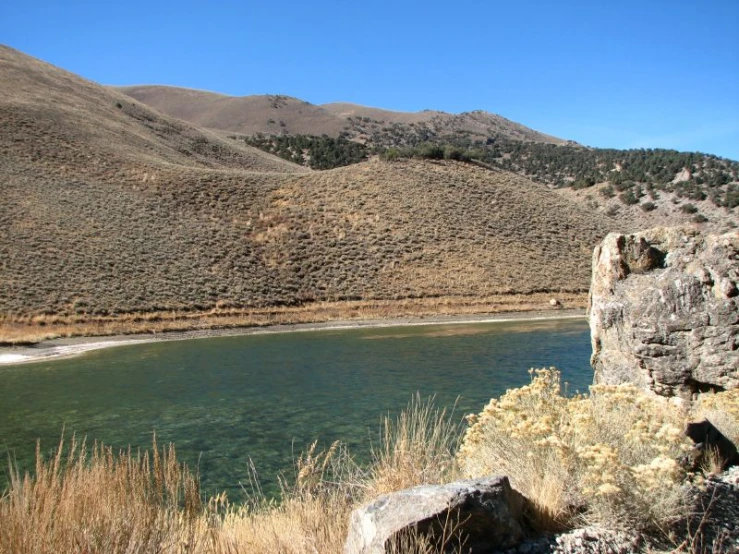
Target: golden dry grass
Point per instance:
(101, 502)
(418, 448)
(31, 329)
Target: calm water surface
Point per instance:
(266, 397)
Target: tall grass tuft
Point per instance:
(99, 501)
(416, 448)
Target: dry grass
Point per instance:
(148, 503)
(722, 410)
(102, 502)
(32, 329)
(277, 114)
(607, 458)
(418, 448)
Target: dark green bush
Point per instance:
(607, 191)
(430, 151)
(583, 183)
(700, 218)
(628, 197)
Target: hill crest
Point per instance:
(279, 114)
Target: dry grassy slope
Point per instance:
(191, 239)
(248, 114)
(479, 124)
(108, 209)
(668, 212)
(282, 114)
(55, 119)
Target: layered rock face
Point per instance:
(664, 311)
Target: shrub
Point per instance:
(607, 191)
(628, 197)
(700, 218)
(583, 183)
(609, 457)
(390, 154)
(648, 206)
(430, 151)
(688, 208)
(731, 200)
(455, 153)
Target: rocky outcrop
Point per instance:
(484, 514)
(664, 311)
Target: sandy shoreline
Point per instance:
(67, 347)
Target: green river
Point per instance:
(265, 397)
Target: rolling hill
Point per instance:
(277, 114)
(635, 188)
(111, 208)
(55, 119)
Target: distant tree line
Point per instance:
(322, 152)
(630, 174)
(640, 172)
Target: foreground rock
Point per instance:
(664, 311)
(714, 523)
(484, 514)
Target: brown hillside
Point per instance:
(197, 239)
(56, 119)
(285, 115)
(249, 115)
(113, 210)
(476, 125)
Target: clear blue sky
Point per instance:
(623, 74)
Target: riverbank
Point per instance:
(74, 346)
(26, 330)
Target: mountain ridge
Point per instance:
(272, 114)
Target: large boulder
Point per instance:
(485, 514)
(664, 311)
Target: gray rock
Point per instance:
(594, 540)
(712, 523)
(664, 311)
(485, 514)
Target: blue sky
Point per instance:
(622, 74)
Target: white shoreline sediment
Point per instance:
(67, 347)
